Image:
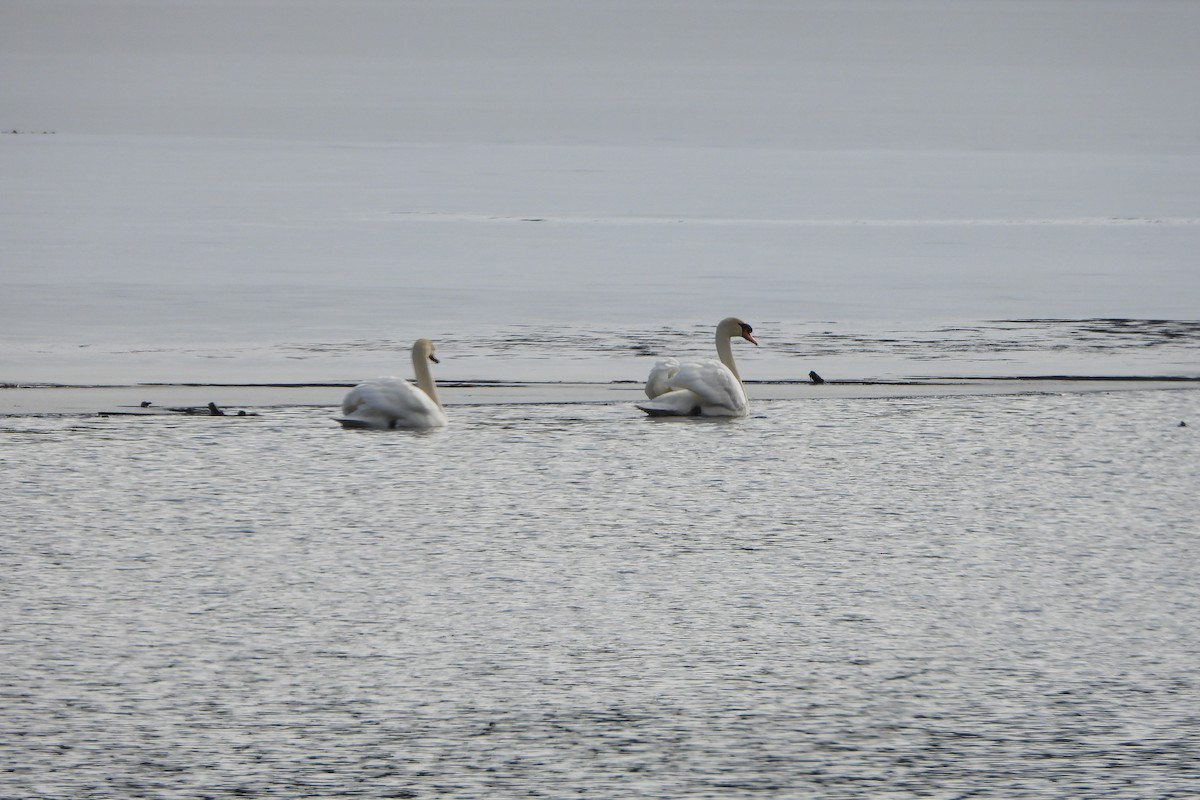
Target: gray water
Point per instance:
(980, 596)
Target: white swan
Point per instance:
(704, 388)
(394, 402)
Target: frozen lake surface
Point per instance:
(885, 597)
(180, 260)
(225, 191)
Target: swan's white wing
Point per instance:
(719, 390)
(659, 381)
(390, 403)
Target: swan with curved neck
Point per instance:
(389, 403)
(703, 388)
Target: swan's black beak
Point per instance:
(433, 358)
(746, 331)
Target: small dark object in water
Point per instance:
(214, 411)
(815, 378)
(146, 404)
(1182, 424)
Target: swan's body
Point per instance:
(701, 388)
(389, 403)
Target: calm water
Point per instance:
(986, 596)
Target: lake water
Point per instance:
(942, 596)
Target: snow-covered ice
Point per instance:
(271, 190)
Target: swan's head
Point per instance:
(732, 326)
(423, 348)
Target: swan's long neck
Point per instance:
(424, 376)
(725, 352)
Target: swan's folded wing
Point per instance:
(659, 381)
(375, 393)
(356, 399)
(717, 387)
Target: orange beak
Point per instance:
(746, 335)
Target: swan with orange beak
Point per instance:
(701, 388)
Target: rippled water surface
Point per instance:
(987, 596)
(581, 351)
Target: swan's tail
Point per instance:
(673, 404)
(667, 412)
(350, 422)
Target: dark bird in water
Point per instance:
(213, 411)
(146, 404)
(815, 378)
(1182, 424)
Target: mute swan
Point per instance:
(394, 402)
(704, 388)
